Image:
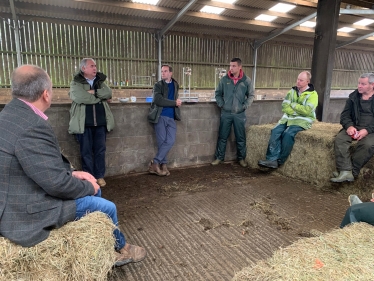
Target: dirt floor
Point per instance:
(206, 223)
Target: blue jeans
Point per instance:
(281, 142)
(92, 149)
(166, 130)
(89, 204)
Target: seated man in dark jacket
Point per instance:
(357, 120)
(39, 191)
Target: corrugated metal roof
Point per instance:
(237, 19)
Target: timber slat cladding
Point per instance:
(121, 54)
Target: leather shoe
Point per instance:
(154, 168)
(268, 164)
(101, 182)
(243, 163)
(343, 176)
(216, 162)
(165, 169)
(130, 253)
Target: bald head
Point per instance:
(29, 82)
(303, 80)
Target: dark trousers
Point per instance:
(363, 212)
(92, 148)
(238, 122)
(281, 142)
(363, 151)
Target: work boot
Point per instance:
(101, 182)
(243, 163)
(154, 168)
(216, 162)
(164, 168)
(130, 253)
(268, 164)
(135, 253)
(122, 259)
(353, 200)
(343, 176)
(335, 174)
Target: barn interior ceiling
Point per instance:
(237, 19)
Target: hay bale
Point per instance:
(80, 250)
(312, 159)
(338, 255)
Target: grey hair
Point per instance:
(368, 75)
(84, 62)
(30, 85)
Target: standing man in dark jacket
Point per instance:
(165, 98)
(233, 95)
(357, 120)
(91, 117)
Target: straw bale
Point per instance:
(80, 250)
(338, 255)
(312, 158)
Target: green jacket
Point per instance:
(234, 98)
(300, 110)
(80, 96)
(160, 99)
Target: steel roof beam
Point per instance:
(258, 43)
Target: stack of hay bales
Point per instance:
(80, 250)
(312, 158)
(338, 255)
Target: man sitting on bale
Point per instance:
(359, 211)
(39, 191)
(299, 108)
(357, 119)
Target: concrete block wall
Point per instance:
(132, 144)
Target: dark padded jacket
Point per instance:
(350, 115)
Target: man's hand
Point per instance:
(361, 134)
(88, 177)
(92, 92)
(178, 102)
(109, 100)
(83, 175)
(351, 131)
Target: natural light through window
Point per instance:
(282, 8)
(364, 22)
(212, 10)
(226, 1)
(151, 2)
(265, 17)
(346, 29)
(308, 24)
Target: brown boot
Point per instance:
(154, 168)
(164, 168)
(135, 253)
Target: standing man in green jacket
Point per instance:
(91, 117)
(357, 119)
(233, 96)
(299, 109)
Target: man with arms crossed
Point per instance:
(298, 107)
(39, 191)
